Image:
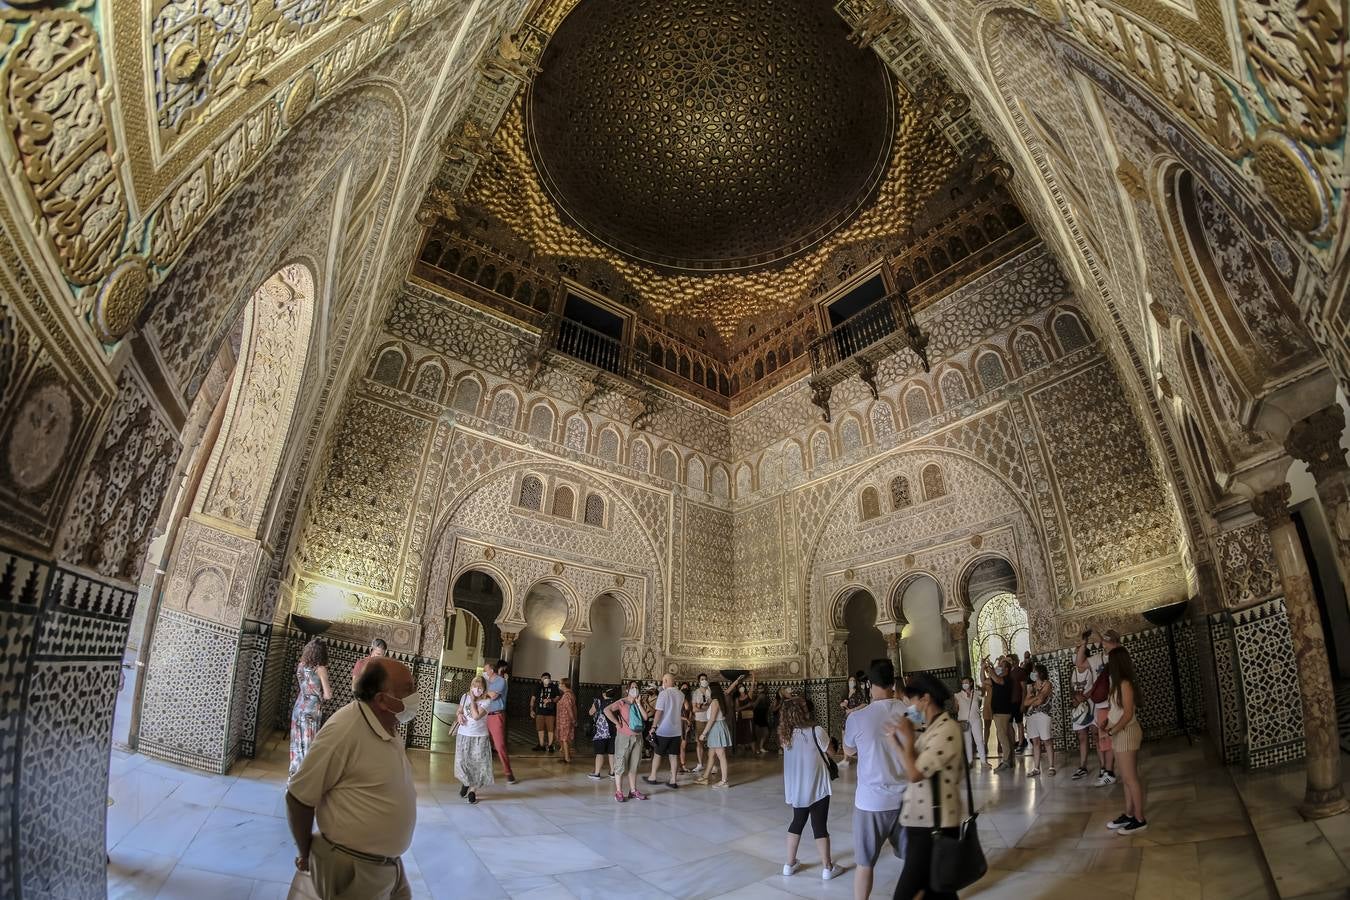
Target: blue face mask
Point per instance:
(913, 714)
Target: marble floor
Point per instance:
(174, 833)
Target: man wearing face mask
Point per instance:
(357, 782)
(1001, 699)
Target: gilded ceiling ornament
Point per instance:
(120, 299)
(558, 568)
(55, 99)
(184, 64)
(398, 23)
(1130, 178)
(489, 553)
(299, 99)
(618, 580)
(1292, 182)
(701, 136)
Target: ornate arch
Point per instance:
(498, 577)
(563, 587)
(632, 613)
(444, 535)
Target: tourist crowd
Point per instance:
(911, 745)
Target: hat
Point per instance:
(1111, 635)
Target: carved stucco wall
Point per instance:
(415, 479)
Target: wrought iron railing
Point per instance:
(875, 323)
(593, 347)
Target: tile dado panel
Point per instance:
(60, 661)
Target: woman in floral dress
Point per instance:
(567, 719)
(312, 674)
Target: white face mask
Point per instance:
(632, 693)
(411, 704)
(545, 682)
(703, 682)
(1035, 676)
(998, 670)
(965, 685)
(478, 692)
(852, 684)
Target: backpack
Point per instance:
(600, 723)
(1101, 687)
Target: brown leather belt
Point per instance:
(364, 857)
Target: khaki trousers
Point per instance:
(334, 875)
(1003, 728)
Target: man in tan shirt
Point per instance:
(357, 782)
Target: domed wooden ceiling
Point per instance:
(709, 135)
(716, 159)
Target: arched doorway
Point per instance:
(470, 638)
(541, 646)
(998, 621)
(602, 660)
(925, 641)
(865, 641)
(216, 523)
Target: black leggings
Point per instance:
(818, 811)
(918, 863)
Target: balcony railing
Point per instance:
(593, 347)
(875, 323)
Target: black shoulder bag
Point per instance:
(958, 860)
(830, 764)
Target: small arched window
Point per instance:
(609, 445)
(541, 422)
(506, 285)
(1069, 332)
(900, 497)
(595, 511)
(721, 484)
(668, 466)
(1030, 353)
(430, 378)
(871, 504)
(576, 434)
(850, 436)
(469, 271)
(953, 388)
(531, 493)
(933, 484)
(916, 405)
(990, 368)
(488, 277)
(820, 449)
(450, 260)
(466, 397)
(694, 474)
(389, 367)
(640, 457)
(883, 419)
(525, 294)
(564, 502)
(504, 409)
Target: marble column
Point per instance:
(508, 644)
(958, 625)
(574, 649)
(893, 652)
(1323, 795)
(1316, 441)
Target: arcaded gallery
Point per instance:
(560, 448)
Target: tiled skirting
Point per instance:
(63, 636)
(1257, 680)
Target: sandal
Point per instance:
(619, 796)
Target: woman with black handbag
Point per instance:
(807, 772)
(942, 849)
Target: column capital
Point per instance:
(574, 648)
(959, 629)
(1272, 506)
(509, 637)
(892, 640)
(1317, 441)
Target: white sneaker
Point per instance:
(788, 869)
(697, 768)
(833, 871)
(1107, 778)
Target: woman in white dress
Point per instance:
(806, 782)
(473, 745)
(969, 715)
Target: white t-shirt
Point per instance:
(967, 705)
(702, 697)
(1095, 664)
(668, 705)
(472, 727)
(357, 777)
(881, 774)
(805, 777)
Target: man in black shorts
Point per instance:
(669, 710)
